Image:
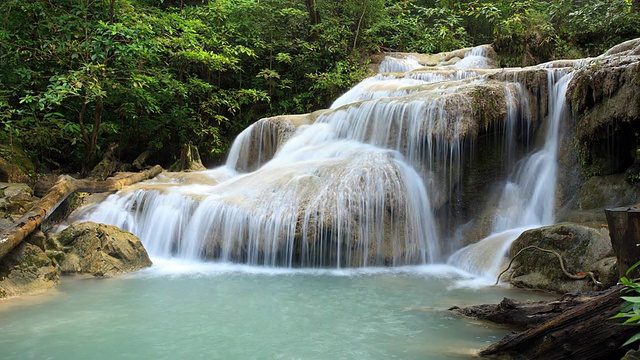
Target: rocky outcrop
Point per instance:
(97, 249)
(27, 269)
(189, 159)
(605, 96)
(258, 143)
(583, 250)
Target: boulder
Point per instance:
(26, 270)
(600, 192)
(97, 249)
(582, 249)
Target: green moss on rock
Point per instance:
(581, 248)
(99, 249)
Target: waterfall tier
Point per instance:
(404, 168)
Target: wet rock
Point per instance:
(581, 249)
(595, 195)
(26, 270)
(605, 96)
(259, 142)
(98, 249)
(600, 192)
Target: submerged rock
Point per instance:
(581, 248)
(97, 249)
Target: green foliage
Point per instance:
(630, 309)
(156, 74)
(418, 28)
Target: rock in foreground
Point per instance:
(583, 249)
(98, 249)
(26, 270)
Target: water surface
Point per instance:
(178, 310)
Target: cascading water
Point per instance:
(528, 196)
(365, 183)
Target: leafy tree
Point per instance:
(152, 75)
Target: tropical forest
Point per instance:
(317, 179)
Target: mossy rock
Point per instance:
(98, 249)
(26, 270)
(608, 191)
(15, 199)
(581, 248)
(605, 97)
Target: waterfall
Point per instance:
(528, 196)
(375, 180)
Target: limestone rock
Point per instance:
(608, 191)
(605, 95)
(581, 248)
(189, 159)
(100, 250)
(258, 143)
(26, 270)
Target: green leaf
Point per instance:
(631, 340)
(632, 299)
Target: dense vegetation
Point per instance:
(79, 75)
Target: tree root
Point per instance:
(564, 270)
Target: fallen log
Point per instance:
(65, 186)
(585, 332)
(519, 315)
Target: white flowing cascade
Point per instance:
(356, 186)
(528, 197)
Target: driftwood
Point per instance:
(584, 332)
(523, 315)
(624, 229)
(65, 186)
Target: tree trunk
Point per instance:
(93, 141)
(65, 186)
(585, 332)
(312, 9)
(624, 230)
